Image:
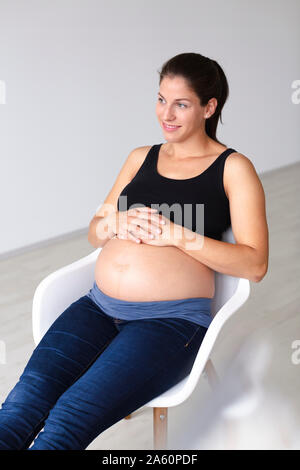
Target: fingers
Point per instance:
(148, 224)
(139, 225)
(146, 219)
(135, 233)
(128, 235)
(143, 212)
(144, 228)
(142, 209)
(141, 231)
(131, 236)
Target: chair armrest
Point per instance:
(183, 389)
(59, 289)
(231, 307)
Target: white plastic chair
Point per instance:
(62, 287)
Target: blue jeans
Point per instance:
(89, 371)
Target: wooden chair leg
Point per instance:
(160, 415)
(211, 374)
(160, 428)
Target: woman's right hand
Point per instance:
(136, 224)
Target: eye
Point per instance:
(179, 104)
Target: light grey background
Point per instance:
(81, 88)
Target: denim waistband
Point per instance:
(189, 308)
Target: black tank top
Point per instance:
(199, 203)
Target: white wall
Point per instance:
(81, 86)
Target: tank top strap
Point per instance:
(219, 175)
(147, 168)
(222, 158)
(152, 156)
(227, 152)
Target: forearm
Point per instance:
(100, 231)
(227, 258)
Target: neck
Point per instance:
(195, 146)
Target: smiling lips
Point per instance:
(170, 128)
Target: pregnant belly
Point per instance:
(128, 271)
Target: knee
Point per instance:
(71, 425)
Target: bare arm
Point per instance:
(102, 224)
(227, 258)
(100, 231)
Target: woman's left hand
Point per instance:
(166, 237)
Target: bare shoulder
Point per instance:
(139, 153)
(138, 156)
(237, 160)
(238, 167)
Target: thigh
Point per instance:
(145, 359)
(70, 345)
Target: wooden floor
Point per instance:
(273, 308)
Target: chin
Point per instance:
(171, 138)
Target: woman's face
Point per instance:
(178, 105)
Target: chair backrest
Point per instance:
(225, 285)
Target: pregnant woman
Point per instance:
(137, 331)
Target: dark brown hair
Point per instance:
(205, 77)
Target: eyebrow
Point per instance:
(178, 99)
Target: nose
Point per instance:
(168, 114)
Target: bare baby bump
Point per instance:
(132, 272)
